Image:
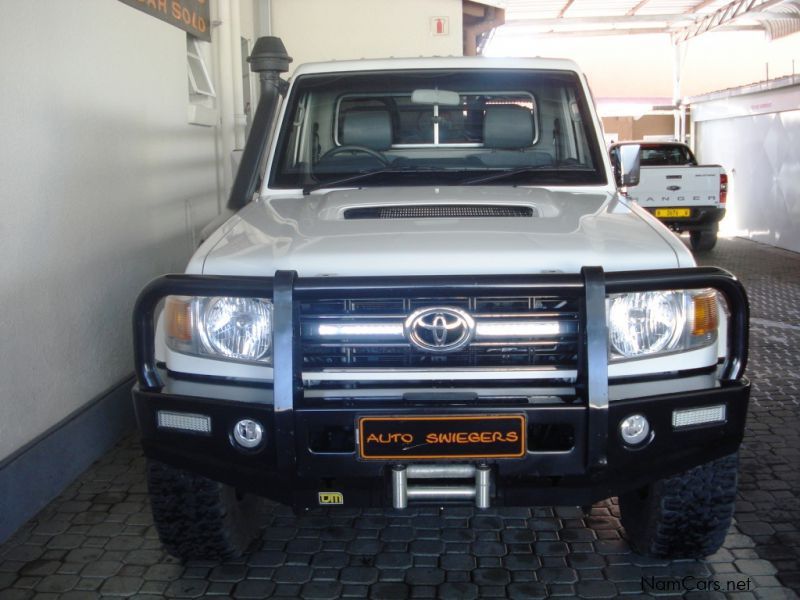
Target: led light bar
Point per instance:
(517, 329)
(350, 329)
(184, 421)
(698, 416)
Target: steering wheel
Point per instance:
(354, 148)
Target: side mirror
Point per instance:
(629, 158)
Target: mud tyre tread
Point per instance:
(197, 518)
(685, 516)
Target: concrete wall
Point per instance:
(318, 30)
(102, 184)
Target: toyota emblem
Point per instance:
(439, 329)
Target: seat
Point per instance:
(369, 128)
(363, 136)
(508, 133)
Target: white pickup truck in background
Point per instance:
(683, 195)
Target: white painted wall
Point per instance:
(319, 30)
(756, 138)
(101, 183)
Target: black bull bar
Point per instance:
(590, 286)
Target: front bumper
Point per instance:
(539, 477)
(310, 446)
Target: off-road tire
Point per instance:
(198, 518)
(685, 516)
(703, 241)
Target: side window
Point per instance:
(202, 96)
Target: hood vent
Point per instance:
(438, 211)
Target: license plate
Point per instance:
(673, 212)
(478, 436)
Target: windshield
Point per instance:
(437, 127)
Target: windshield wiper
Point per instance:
(355, 177)
(520, 171)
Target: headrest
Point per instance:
(507, 127)
(370, 128)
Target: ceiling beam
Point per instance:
(700, 6)
(473, 9)
(598, 32)
(669, 19)
(636, 8)
(616, 31)
(722, 16)
(565, 8)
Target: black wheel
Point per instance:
(703, 241)
(354, 148)
(685, 516)
(198, 518)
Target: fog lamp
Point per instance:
(248, 433)
(634, 429)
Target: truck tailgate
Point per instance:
(677, 186)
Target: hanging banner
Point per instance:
(193, 16)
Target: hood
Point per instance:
(338, 234)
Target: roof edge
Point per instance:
(745, 90)
(436, 62)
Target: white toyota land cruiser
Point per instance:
(431, 292)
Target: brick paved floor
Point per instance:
(768, 509)
(97, 540)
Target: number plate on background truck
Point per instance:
(673, 212)
(474, 436)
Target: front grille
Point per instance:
(330, 333)
(437, 211)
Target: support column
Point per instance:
(225, 100)
(263, 17)
(222, 186)
(683, 123)
(679, 131)
(239, 118)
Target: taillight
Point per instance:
(723, 188)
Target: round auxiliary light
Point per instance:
(634, 429)
(248, 433)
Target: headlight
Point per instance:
(220, 327)
(647, 323)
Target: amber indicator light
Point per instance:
(706, 317)
(178, 317)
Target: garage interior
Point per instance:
(122, 135)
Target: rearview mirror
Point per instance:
(629, 157)
(440, 97)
